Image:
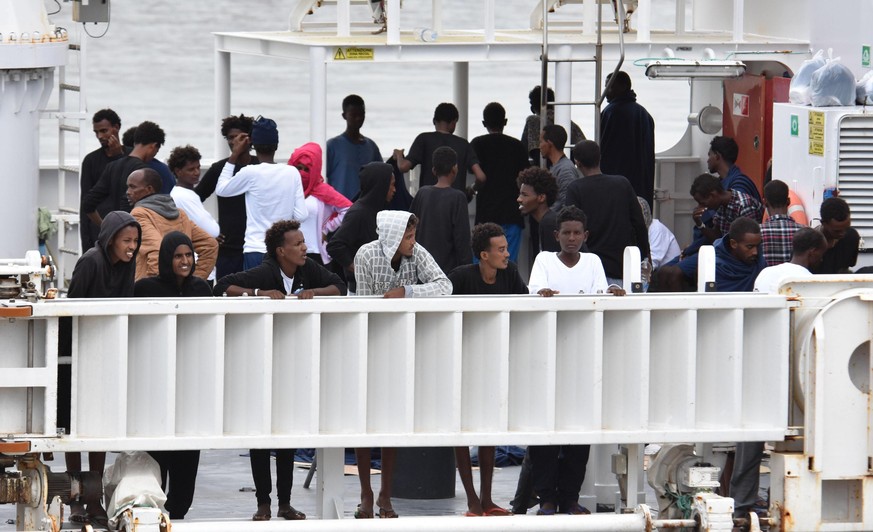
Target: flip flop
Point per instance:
(497, 511)
(472, 514)
(362, 514)
(388, 513)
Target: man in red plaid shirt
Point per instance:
(779, 229)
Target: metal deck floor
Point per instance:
(225, 491)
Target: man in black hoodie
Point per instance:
(105, 270)
(285, 271)
(359, 225)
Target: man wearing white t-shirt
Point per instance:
(184, 162)
(273, 191)
(557, 471)
(808, 246)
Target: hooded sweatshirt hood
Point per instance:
(114, 222)
(162, 204)
(375, 181)
(309, 155)
(731, 274)
(170, 242)
(390, 226)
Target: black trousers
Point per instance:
(181, 468)
(260, 459)
(558, 472)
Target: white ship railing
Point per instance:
(342, 372)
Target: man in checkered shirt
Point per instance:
(393, 266)
(779, 229)
(728, 205)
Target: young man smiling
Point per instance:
(494, 274)
(537, 191)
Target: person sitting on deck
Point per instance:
(779, 228)
(843, 239)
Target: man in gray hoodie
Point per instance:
(158, 215)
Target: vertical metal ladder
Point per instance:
(71, 114)
(597, 60)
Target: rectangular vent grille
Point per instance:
(855, 171)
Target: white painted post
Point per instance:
(705, 267)
(589, 17)
(393, 14)
(437, 16)
(631, 268)
(489, 20)
(644, 20)
(680, 17)
(343, 18)
(330, 483)
(222, 99)
(738, 28)
(317, 95)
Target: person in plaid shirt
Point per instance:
(728, 205)
(779, 229)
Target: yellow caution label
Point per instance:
(816, 133)
(353, 54)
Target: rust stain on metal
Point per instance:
(14, 489)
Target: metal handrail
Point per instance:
(598, 62)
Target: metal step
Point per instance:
(69, 169)
(69, 251)
(69, 87)
(71, 129)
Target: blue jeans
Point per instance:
(252, 259)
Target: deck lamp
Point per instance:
(686, 69)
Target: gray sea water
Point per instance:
(155, 62)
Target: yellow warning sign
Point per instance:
(816, 133)
(353, 54)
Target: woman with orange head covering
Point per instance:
(329, 205)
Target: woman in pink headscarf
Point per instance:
(322, 199)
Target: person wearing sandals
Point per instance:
(494, 274)
(105, 270)
(285, 271)
(392, 266)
